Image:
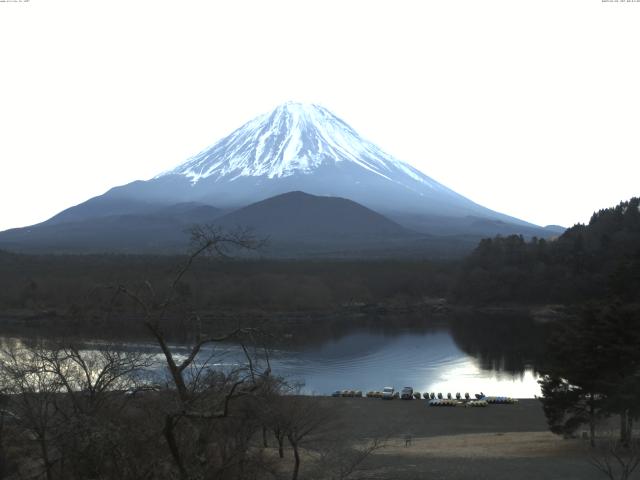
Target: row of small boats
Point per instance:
(501, 400)
(481, 402)
(436, 399)
(445, 402)
(347, 393)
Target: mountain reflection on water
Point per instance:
(493, 354)
(427, 361)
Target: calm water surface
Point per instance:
(370, 360)
(427, 361)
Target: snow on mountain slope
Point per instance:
(295, 138)
(301, 147)
(305, 147)
(256, 177)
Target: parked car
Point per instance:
(388, 393)
(407, 393)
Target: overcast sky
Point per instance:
(531, 108)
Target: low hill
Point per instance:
(297, 225)
(298, 215)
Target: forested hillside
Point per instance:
(588, 262)
(597, 260)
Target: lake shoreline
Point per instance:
(428, 313)
(432, 346)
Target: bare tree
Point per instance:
(8, 421)
(74, 401)
(615, 459)
(202, 396)
(340, 459)
(3, 456)
(273, 411)
(304, 418)
(90, 376)
(33, 393)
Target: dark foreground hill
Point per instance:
(298, 215)
(296, 225)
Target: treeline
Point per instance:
(505, 341)
(67, 413)
(66, 282)
(102, 413)
(598, 260)
(591, 371)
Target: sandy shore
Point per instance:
(484, 445)
(415, 417)
(496, 442)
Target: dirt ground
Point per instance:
(496, 442)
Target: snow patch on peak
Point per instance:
(294, 138)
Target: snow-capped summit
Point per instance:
(299, 147)
(294, 138)
(305, 147)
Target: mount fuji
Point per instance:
(296, 147)
(305, 147)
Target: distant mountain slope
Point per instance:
(471, 225)
(304, 147)
(296, 215)
(157, 231)
(291, 217)
(296, 225)
(352, 185)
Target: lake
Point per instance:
(460, 357)
(427, 361)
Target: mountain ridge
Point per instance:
(296, 224)
(294, 148)
(300, 215)
(305, 147)
(293, 137)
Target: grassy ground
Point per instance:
(496, 442)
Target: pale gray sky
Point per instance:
(529, 107)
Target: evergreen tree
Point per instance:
(593, 370)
